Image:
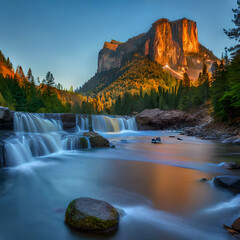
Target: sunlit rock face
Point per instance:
(170, 43)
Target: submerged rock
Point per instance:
(230, 182)
(96, 140)
(231, 165)
(203, 180)
(91, 215)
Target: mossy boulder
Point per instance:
(96, 140)
(91, 215)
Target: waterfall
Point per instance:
(113, 124)
(82, 123)
(35, 123)
(39, 134)
(75, 142)
(17, 152)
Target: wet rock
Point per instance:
(172, 136)
(113, 146)
(229, 182)
(96, 140)
(229, 140)
(91, 215)
(157, 140)
(203, 180)
(155, 119)
(2, 155)
(180, 139)
(231, 165)
(6, 119)
(237, 141)
(68, 120)
(235, 228)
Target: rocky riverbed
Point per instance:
(198, 122)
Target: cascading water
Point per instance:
(75, 142)
(113, 124)
(42, 134)
(35, 123)
(82, 123)
(34, 136)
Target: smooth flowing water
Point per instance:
(156, 186)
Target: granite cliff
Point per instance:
(173, 44)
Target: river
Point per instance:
(156, 185)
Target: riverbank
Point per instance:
(198, 122)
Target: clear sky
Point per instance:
(65, 36)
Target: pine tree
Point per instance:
(19, 71)
(49, 79)
(234, 33)
(30, 77)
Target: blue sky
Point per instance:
(65, 36)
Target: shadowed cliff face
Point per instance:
(172, 44)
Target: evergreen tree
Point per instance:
(234, 33)
(30, 77)
(49, 79)
(19, 71)
(219, 87)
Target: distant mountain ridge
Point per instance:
(173, 44)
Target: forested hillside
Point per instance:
(24, 93)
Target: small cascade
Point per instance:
(82, 123)
(75, 142)
(113, 124)
(44, 144)
(42, 134)
(35, 123)
(17, 152)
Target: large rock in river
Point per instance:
(91, 215)
(230, 182)
(156, 119)
(96, 140)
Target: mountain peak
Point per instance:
(171, 43)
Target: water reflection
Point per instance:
(156, 185)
